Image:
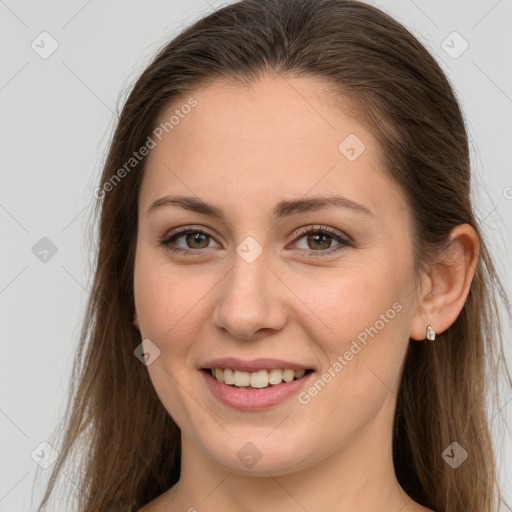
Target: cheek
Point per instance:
(166, 314)
(354, 299)
(364, 330)
(166, 303)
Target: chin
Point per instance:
(256, 456)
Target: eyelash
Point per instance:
(298, 235)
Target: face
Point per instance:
(245, 279)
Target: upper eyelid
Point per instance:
(183, 230)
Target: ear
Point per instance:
(444, 291)
(135, 320)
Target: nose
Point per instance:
(250, 300)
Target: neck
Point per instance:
(357, 476)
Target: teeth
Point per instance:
(242, 378)
(299, 373)
(288, 375)
(228, 376)
(275, 376)
(258, 380)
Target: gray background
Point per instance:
(57, 116)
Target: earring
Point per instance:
(431, 334)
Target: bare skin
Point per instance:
(244, 150)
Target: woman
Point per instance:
(293, 305)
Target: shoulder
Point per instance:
(160, 504)
(421, 508)
(152, 506)
(413, 506)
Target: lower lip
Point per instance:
(254, 399)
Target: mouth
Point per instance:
(260, 379)
(256, 384)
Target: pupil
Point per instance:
(318, 239)
(196, 237)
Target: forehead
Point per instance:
(274, 139)
(280, 118)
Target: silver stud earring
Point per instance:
(431, 334)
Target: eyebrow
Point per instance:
(281, 210)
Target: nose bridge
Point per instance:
(249, 270)
(247, 302)
(248, 279)
(245, 288)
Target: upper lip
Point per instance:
(253, 365)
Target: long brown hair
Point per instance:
(116, 431)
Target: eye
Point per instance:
(318, 239)
(194, 238)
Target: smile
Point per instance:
(257, 390)
(258, 380)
